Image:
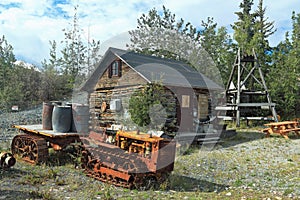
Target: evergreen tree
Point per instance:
(217, 42)
(7, 59)
(74, 53)
(295, 52)
(53, 82)
(252, 30)
(263, 30)
(285, 72)
(294, 65)
(244, 28)
(27, 81)
(163, 36)
(78, 59)
(93, 56)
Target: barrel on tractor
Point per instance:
(124, 158)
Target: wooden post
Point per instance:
(238, 98)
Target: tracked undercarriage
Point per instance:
(126, 159)
(30, 148)
(132, 160)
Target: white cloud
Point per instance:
(197, 10)
(281, 12)
(29, 24)
(223, 13)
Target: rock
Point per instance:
(228, 194)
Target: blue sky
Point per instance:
(29, 25)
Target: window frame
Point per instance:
(115, 69)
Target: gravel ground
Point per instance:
(246, 166)
(33, 116)
(248, 161)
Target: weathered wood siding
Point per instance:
(105, 118)
(184, 103)
(128, 77)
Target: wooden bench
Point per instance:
(265, 130)
(290, 130)
(282, 128)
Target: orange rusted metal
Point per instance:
(131, 160)
(123, 158)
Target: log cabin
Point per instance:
(121, 73)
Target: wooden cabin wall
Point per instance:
(128, 77)
(123, 87)
(105, 118)
(115, 87)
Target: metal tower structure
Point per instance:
(246, 93)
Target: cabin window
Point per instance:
(115, 69)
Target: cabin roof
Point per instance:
(153, 69)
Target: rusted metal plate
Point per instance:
(37, 129)
(139, 136)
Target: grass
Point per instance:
(244, 167)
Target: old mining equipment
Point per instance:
(128, 159)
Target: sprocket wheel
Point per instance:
(29, 148)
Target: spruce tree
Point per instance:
(7, 59)
(218, 43)
(8, 90)
(74, 53)
(163, 36)
(244, 29)
(263, 30)
(67, 70)
(294, 62)
(253, 29)
(283, 79)
(53, 82)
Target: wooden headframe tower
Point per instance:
(246, 93)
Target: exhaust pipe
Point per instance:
(7, 160)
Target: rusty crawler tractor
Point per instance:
(128, 159)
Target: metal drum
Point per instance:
(81, 118)
(47, 115)
(61, 118)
